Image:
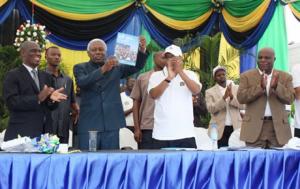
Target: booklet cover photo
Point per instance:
(126, 48)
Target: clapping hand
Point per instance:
(44, 93)
(228, 92)
(229, 89)
(177, 63)
(58, 96)
(171, 72)
(263, 80)
(274, 80)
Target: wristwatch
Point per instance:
(167, 80)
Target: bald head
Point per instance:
(268, 49)
(266, 59)
(30, 53)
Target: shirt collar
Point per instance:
(260, 72)
(29, 68)
(60, 74)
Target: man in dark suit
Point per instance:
(29, 96)
(99, 81)
(265, 91)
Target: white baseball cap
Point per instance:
(217, 68)
(174, 50)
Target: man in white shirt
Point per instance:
(296, 83)
(127, 103)
(223, 105)
(265, 91)
(172, 88)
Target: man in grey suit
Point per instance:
(265, 91)
(223, 105)
(99, 81)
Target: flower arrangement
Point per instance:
(46, 143)
(31, 32)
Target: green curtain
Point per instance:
(296, 5)
(180, 9)
(275, 36)
(240, 8)
(83, 7)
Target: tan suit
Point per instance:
(248, 93)
(216, 106)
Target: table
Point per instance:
(152, 169)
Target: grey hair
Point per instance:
(96, 40)
(26, 44)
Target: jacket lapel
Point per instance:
(27, 77)
(217, 92)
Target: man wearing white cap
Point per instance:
(223, 105)
(172, 88)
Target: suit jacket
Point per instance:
(101, 106)
(249, 93)
(216, 106)
(27, 116)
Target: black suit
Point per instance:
(27, 116)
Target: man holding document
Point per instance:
(99, 81)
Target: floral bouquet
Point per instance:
(31, 32)
(46, 143)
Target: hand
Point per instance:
(229, 88)
(274, 80)
(138, 135)
(263, 81)
(75, 113)
(109, 64)
(170, 66)
(226, 94)
(44, 93)
(58, 96)
(177, 63)
(142, 44)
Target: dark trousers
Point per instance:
(107, 140)
(297, 133)
(180, 143)
(64, 139)
(226, 134)
(147, 140)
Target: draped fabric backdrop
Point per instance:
(275, 36)
(73, 23)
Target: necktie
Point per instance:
(35, 78)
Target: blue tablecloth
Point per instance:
(152, 169)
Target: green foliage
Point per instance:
(208, 47)
(9, 59)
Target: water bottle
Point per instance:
(214, 136)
